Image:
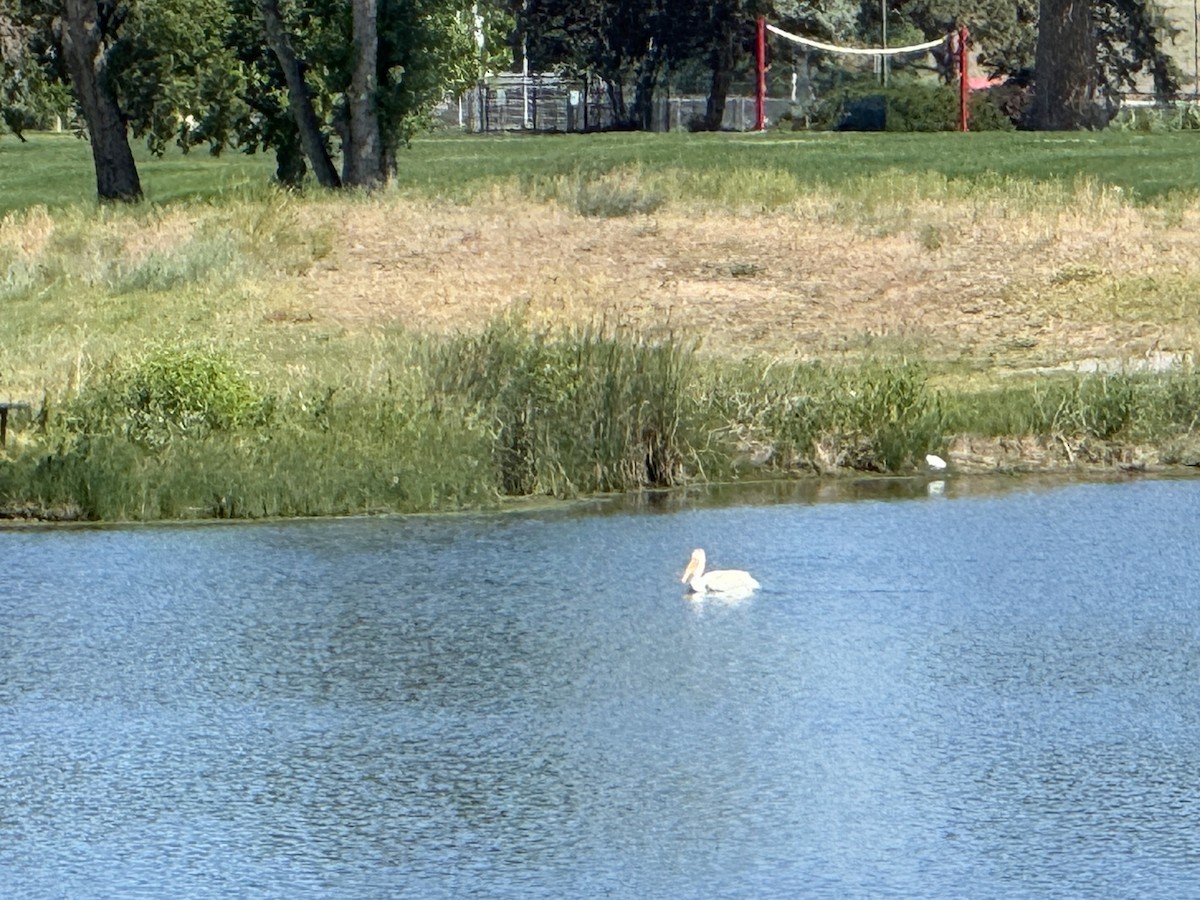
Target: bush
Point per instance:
(167, 393)
(1177, 116)
(916, 106)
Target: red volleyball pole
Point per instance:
(964, 80)
(760, 108)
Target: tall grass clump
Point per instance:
(581, 413)
(606, 194)
(1117, 406)
(890, 420)
(875, 417)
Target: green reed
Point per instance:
(586, 412)
(182, 432)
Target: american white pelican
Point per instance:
(935, 462)
(720, 581)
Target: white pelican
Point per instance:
(720, 581)
(935, 462)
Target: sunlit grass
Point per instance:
(55, 170)
(427, 423)
(380, 418)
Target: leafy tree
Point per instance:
(30, 96)
(176, 79)
(364, 151)
(427, 51)
(1130, 39)
(360, 75)
(294, 76)
(834, 20)
(720, 34)
(87, 34)
(619, 41)
(1065, 67)
(140, 66)
(1003, 32)
(1087, 52)
(305, 127)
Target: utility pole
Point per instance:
(883, 61)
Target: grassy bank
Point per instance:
(435, 423)
(562, 316)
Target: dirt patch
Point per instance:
(950, 281)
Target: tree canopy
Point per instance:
(307, 79)
(30, 96)
(322, 81)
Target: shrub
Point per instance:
(170, 392)
(915, 106)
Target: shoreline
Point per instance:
(838, 487)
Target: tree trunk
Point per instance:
(299, 99)
(80, 35)
(718, 91)
(641, 112)
(616, 101)
(1064, 68)
(290, 167)
(364, 151)
(718, 88)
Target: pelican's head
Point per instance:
(695, 566)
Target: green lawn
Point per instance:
(1147, 165)
(55, 170)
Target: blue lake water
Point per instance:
(983, 695)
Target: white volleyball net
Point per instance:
(950, 50)
(856, 51)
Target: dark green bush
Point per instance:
(911, 106)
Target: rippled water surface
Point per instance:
(976, 696)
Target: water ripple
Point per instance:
(969, 697)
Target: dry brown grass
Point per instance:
(977, 285)
(974, 282)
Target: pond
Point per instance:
(967, 694)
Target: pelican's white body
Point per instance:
(719, 581)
